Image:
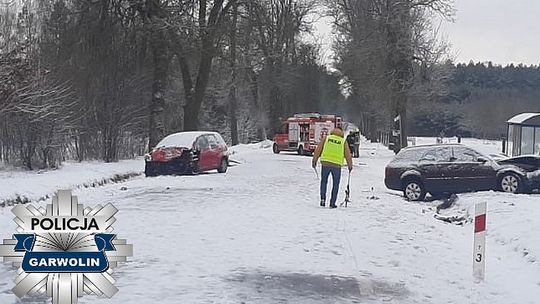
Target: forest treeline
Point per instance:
(107, 79)
(478, 99)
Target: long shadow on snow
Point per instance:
(313, 288)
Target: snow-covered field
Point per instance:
(257, 235)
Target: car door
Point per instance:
(214, 154)
(471, 171)
(433, 165)
(222, 146)
(202, 148)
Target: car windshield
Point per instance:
(183, 139)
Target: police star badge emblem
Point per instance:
(65, 249)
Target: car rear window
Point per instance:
(428, 153)
(411, 154)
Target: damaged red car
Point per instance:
(187, 153)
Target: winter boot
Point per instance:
(333, 205)
(322, 203)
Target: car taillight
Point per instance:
(387, 171)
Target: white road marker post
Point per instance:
(479, 247)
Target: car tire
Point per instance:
(193, 168)
(510, 183)
(223, 166)
(301, 150)
(414, 190)
(275, 148)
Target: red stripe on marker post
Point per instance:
(480, 223)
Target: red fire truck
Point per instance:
(303, 132)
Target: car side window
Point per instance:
(220, 139)
(439, 155)
(462, 154)
(201, 143)
(212, 142)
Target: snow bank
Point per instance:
(510, 220)
(24, 186)
(488, 147)
(19, 186)
(239, 152)
(266, 144)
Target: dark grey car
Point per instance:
(451, 168)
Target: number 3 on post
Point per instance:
(479, 261)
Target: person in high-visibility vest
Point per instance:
(333, 151)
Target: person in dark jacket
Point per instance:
(353, 140)
(350, 142)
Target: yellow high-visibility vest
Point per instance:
(334, 150)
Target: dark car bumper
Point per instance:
(178, 166)
(393, 183)
(533, 180)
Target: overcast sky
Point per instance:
(500, 31)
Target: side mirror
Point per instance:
(481, 159)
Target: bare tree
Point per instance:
(379, 45)
(279, 24)
(232, 88)
(210, 18)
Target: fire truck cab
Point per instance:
(303, 132)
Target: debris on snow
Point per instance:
(449, 202)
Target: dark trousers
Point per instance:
(336, 177)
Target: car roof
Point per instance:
(183, 139)
(434, 146)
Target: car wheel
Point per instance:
(413, 190)
(301, 150)
(223, 166)
(193, 168)
(275, 148)
(510, 182)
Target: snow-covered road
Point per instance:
(257, 235)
